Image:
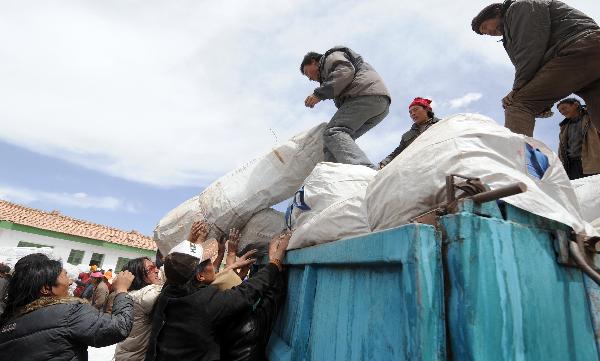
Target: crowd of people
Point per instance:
(199, 310)
(554, 47)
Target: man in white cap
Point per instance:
(189, 310)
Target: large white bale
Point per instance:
(233, 199)
(327, 184)
(259, 230)
(330, 205)
(588, 193)
(475, 146)
(345, 218)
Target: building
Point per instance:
(72, 240)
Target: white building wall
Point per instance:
(62, 247)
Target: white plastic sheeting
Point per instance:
(330, 205)
(588, 193)
(345, 218)
(234, 198)
(475, 146)
(327, 183)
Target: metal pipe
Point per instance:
(582, 263)
(510, 190)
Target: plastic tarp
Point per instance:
(588, 193)
(475, 146)
(330, 205)
(234, 198)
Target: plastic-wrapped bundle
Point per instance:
(475, 146)
(588, 193)
(330, 204)
(234, 198)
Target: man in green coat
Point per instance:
(555, 50)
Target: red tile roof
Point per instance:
(55, 221)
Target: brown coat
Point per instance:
(100, 296)
(133, 348)
(590, 151)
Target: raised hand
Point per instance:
(199, 231)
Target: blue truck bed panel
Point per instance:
(508, 298)
(377, 297)
(485, 286)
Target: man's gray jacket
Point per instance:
(345, 75)
(536, 30)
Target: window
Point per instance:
(29, 244)
(75, 257)
(97, 259)
(120, 263)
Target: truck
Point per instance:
(483, 280)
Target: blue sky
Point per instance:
(117, 111)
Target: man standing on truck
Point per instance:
(359, 94)
(555, 50)
(579, 140)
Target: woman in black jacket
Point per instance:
(42, 322)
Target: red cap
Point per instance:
(425, 103)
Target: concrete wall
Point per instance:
(62, 247)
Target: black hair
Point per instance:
(4, 268)
(32, 273)
(430, 114)
(159, 259)
(136, 267)
(181, 268)
(489, 12)
(308, 58)
(192, 284)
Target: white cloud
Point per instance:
(465, 100)
(177, 93)
(76, 200)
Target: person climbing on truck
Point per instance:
(359, 94)
(421, 113)
(545, 40)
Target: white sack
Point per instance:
(588, 193)
(259, 230)
(344, 218)
(231, 200)
(328, 183)
(174, 227)
(475, 146)
(334, 194)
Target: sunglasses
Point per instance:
(150, 269)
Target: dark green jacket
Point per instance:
(407, 138)
(536, 30)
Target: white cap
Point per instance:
(202, 251)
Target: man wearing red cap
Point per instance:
(422, 115)
(555, 50)
(359, 93)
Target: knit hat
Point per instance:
(425, 103)
(489, 12)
